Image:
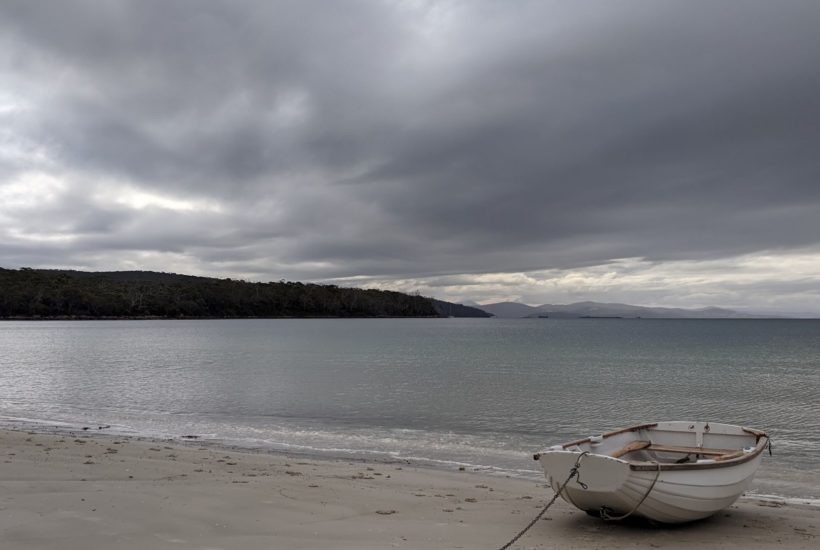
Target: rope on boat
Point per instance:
(572, 473)
(604, 512)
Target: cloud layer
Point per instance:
(405, 143)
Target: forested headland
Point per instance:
(63, 294)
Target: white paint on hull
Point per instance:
(680, 494)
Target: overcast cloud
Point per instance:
(659, 153)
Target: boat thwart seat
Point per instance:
(643, 445)
(631, 447)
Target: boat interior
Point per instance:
(674, 443)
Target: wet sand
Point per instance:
(79, 492)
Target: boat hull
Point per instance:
(663, 492)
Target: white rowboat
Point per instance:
(669, 472)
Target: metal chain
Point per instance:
(572, 473)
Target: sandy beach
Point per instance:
(77, 491)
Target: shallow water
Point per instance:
(482, 393)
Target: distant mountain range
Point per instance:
(580, 310)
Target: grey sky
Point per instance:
(663, 153)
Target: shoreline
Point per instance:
(95, 490)
(96, 430)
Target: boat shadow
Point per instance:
(747, 521)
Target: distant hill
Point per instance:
(446, 309)
(509, 310)
(580, 310)
(65, 294)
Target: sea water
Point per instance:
(480, 393)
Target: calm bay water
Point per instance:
(483, 393)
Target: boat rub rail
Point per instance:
(722, 456)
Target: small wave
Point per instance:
(16, 420)
(337, 452)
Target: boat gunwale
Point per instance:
(610, 434)
(642, 466)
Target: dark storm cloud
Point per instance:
(411, 138)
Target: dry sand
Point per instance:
(80, 492)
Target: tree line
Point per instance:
(61, 294)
